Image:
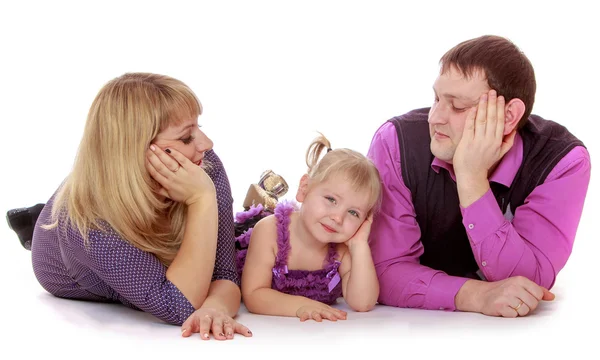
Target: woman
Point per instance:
(145, 218)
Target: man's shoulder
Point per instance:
(389, 127)
(416, 115)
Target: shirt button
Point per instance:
(484, 263)
(471, 226)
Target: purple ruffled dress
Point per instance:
(322, 285)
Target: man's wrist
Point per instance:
(471, 188)
(468, 296)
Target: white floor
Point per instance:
(38, 324)
(270, 74)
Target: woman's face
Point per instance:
(187, 138)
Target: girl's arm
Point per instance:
(360, 285)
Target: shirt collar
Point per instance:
(505, 172)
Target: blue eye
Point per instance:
(330, 199)
(354, 213)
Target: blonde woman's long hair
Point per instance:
(109, 183)
(357, 168)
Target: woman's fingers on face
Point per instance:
(159, 166)
(168, 161)
(178, 157)
(161, 179)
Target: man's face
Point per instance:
(454, 96)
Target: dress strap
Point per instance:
(283, 212)
(332, 265)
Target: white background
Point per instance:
(269, 75)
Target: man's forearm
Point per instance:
(471, 188)
(466, 298)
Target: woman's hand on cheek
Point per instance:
(180, 179)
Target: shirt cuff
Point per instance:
(442, 291)
(482, 218)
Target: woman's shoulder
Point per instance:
(216, 171)
(213, 165)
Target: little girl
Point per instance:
(302, 258)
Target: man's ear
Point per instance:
(302, 188)
(513, 111)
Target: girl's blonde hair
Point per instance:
(109, 183)
(356, 168)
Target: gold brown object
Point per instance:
(267, 192)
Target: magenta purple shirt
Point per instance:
(535, 242)
(110, 269)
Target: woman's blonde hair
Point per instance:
(109, 183)
(356, 167)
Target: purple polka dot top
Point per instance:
(110, 269)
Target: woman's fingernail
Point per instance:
(152, 147)
(183, 331)
(206, 335)
(167, 151)
(249, 332)
(221, 334)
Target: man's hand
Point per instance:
(482, 145)
(512, 297)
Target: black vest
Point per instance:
(435, 196)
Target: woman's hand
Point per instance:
(179, 178)
(207, 320)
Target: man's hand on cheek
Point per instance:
(482, 145)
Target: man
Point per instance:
(481, 199)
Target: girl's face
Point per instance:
(187, 138)
(332, 211)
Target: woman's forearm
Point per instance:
(223, 295)
(192, 268)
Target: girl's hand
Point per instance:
(320, 311)
(179, 178)
(362, 234)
